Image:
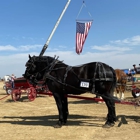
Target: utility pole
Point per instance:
(56, 25)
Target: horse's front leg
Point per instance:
(62, 107)
(111, 116)
(65, 108)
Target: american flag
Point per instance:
(81, 34)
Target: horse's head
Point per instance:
(33, 69)
(36, 67)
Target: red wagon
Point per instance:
(22, 86)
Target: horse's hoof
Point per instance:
(108, 125)
(59, 124)
(112, 124)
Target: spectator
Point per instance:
(12, 80)
(129, 72)
(129, 75)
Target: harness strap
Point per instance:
(103, 70)
(51, 66)
(48, 76)
(99, 71)
(104, 79)
(65, 76)
(53, 63)
(93, 79)
(67, 70)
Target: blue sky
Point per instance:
(25, 25)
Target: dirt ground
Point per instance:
(25, 120)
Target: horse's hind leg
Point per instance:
(111, 116)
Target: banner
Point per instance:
(82, 30)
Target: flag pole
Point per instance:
(56, 25)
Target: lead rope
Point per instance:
(4, 97)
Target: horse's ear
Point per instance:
(29, 56)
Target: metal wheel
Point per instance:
(31, 93)
(4, 87)
(8, 90)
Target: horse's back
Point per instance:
(92, 69)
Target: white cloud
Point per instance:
(8, 48)
(110, 48)
(29, 47)
(111, 58)
(114, 55)
(16, 63)
(128, 41)
(20, 48)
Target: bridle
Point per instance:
(48, 68)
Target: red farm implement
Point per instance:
(7, 87)
(22, 86)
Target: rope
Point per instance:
(80, 10)
(4, 97)
(83, 4)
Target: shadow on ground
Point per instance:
(125, 119)
(73, 120)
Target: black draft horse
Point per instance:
(61, 79)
